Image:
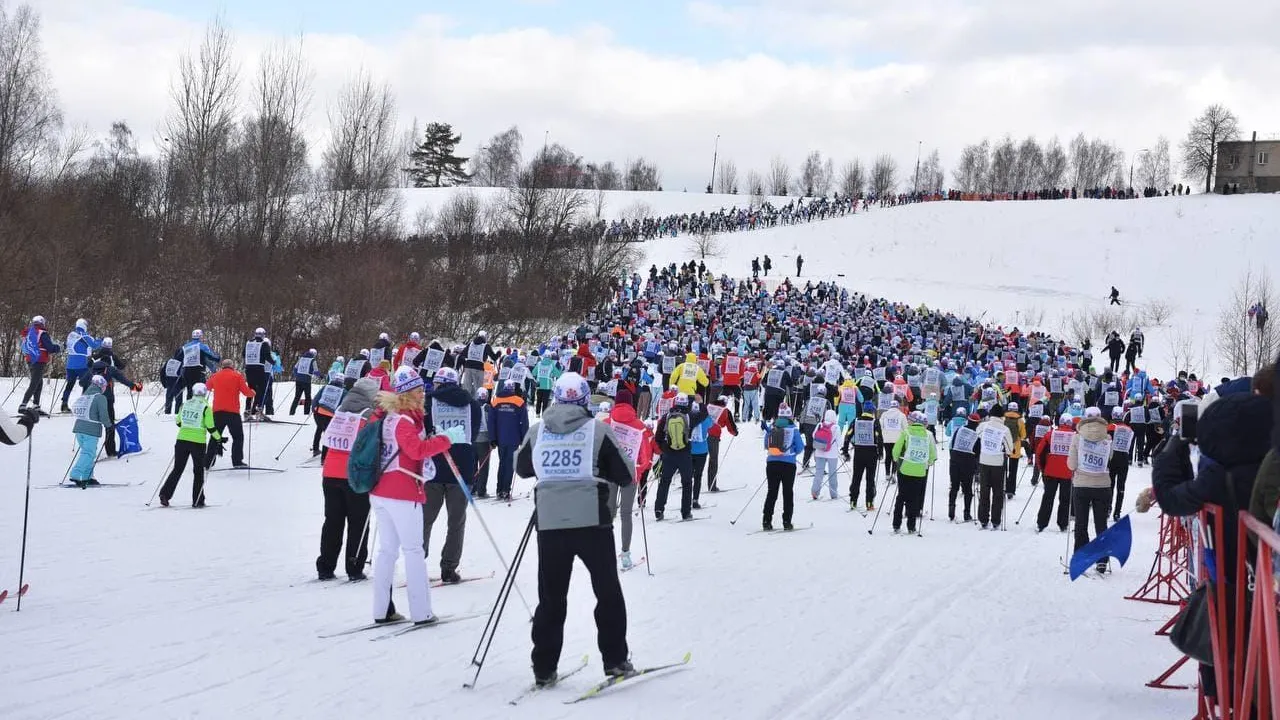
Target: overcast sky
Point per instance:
(613, 79)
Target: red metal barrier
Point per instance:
(1166, 583)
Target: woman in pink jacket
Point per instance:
(398, 496)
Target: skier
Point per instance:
(784, 443)
(91, 419)
(304, 370)
(196, 356)
(963, 463)
(1051, 456)
(755, 267)
(171, 381)
(508, 424)
(381, 351)
(751, 393)
(636, 441)
(227, 386)
(1134, 351)
(1115, 347)
(814, 410)
(80, 345)
(109, 367)
(868, 440)
(722, 420)
(915, 452)
(1018, 430)
(408, 352)
(1122, 446)
(327, 403)
(195, 423)
(356, 368)
(478, 352)
(483, 446)
(997, 445)
(546, 371)
(892, 423)
(257, 358)
(768, 265)
(688, 377)
(398, 495)
(799, 265)
(1115, 295)
(1090, 454)
(345, 508)
(450, 410)
(673, 438)
(37, 347)
(826, 438)
(571, 509)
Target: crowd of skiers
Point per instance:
(736, 219)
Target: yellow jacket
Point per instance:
(687, 376)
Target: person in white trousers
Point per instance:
(398, 496)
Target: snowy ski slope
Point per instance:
(174, 613)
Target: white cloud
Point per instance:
(959, 71)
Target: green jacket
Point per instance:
(96, 417)
(195, 421)
(546, 371)
(915, 450)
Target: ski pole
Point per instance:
(644, 533)
(753, 497)
(54, 397)
(161, 483)
(249, 473)
(16, 383)
(879, 510)
(147, 409)
(1027, 504)
(479, 516)
(286, 445)
(500, 604)
(1066, 559)
(933, 494)
(26, 514)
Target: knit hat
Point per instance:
(1093, 412)
(446, 375)
(975, 417)
(1065, 419)
(406, 380)
(1117, 412)
(199, 390)
(99, 381)
(784, 411)
(572, 389)
(624, 397)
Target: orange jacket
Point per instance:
(227, 386)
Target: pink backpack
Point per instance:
(824, 437)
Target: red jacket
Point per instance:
(411, 345)
(1054, 465)
(404, 432)
(625, 415)
(724, 422)
(335, 461)
(227, 386)
(732, 379)
(750, 379)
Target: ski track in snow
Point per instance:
(157, 613)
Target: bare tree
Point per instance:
(360, 166)
(884, 176)
(779, 176)
(29, 114)
(932, 178)
(755, 186)
(201, 123)
(602, 177)
(703, 245)
(1157, 311)
(1027, 170)
(643, 175)
(1243, 344)
(1053, 166)
(1200, 148)
(409, 139)
(1094, 163)
(1004, 159)
(815, 175)
(853, 180)
(1180, 344)
(727, 178)
(498, 161)
(971, 174)
(1155, 168)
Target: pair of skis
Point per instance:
(440, 620)
(600, 687)
(776, 531)
(21, 592)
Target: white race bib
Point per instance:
(668, 364)
(446, 417)
(964, 440)
(849, 396)
(917, 450)
(885, 401)
(80, 408)
(832, 375)
(878, 374)
(377, 355)
(342, 431)
(689, 372)
(893, 423)
(354, 368)
(564, 458)
(253, 352)
(1060, 442)
(191, 355)
(932, 377)
(1093, 455)
(732, 365)
(410, 354)
(304, 365)
(1111, 398)
(1138, 415)
(1055, 385)
(330, 397)
(992, 440)
(864, 433)
(816, 407)
(433, 361)
(629, 439)
(172, 368)
(774, 379)
(1123, 438)
(475, 353)
(519, 374)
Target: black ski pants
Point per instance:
(962, 469)
(1091, 500)
(781, 477)
(673, 462)
(322, 424)
(1119, 470)
(344, 509)
(556, 551)
(35, 386)
(1062, 490)
(910, 498)
(229, 421)
(182, 451)
(699, 465)
(991, 494)
(256, 376)
(864, 466)
(301, 394)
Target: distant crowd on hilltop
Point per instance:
(734, 219)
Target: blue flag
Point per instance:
(130, 440)
(1115, 541)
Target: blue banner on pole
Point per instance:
(1116, 541)
(128, 434)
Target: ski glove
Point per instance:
(137, 387)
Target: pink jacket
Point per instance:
(404, 432)
(383, 378)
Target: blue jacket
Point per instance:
(508, 419)
(797, 442)
(698, 437)
(208, 357)
(1139, 384)
(79, 351)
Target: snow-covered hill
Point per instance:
(1047, 259)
